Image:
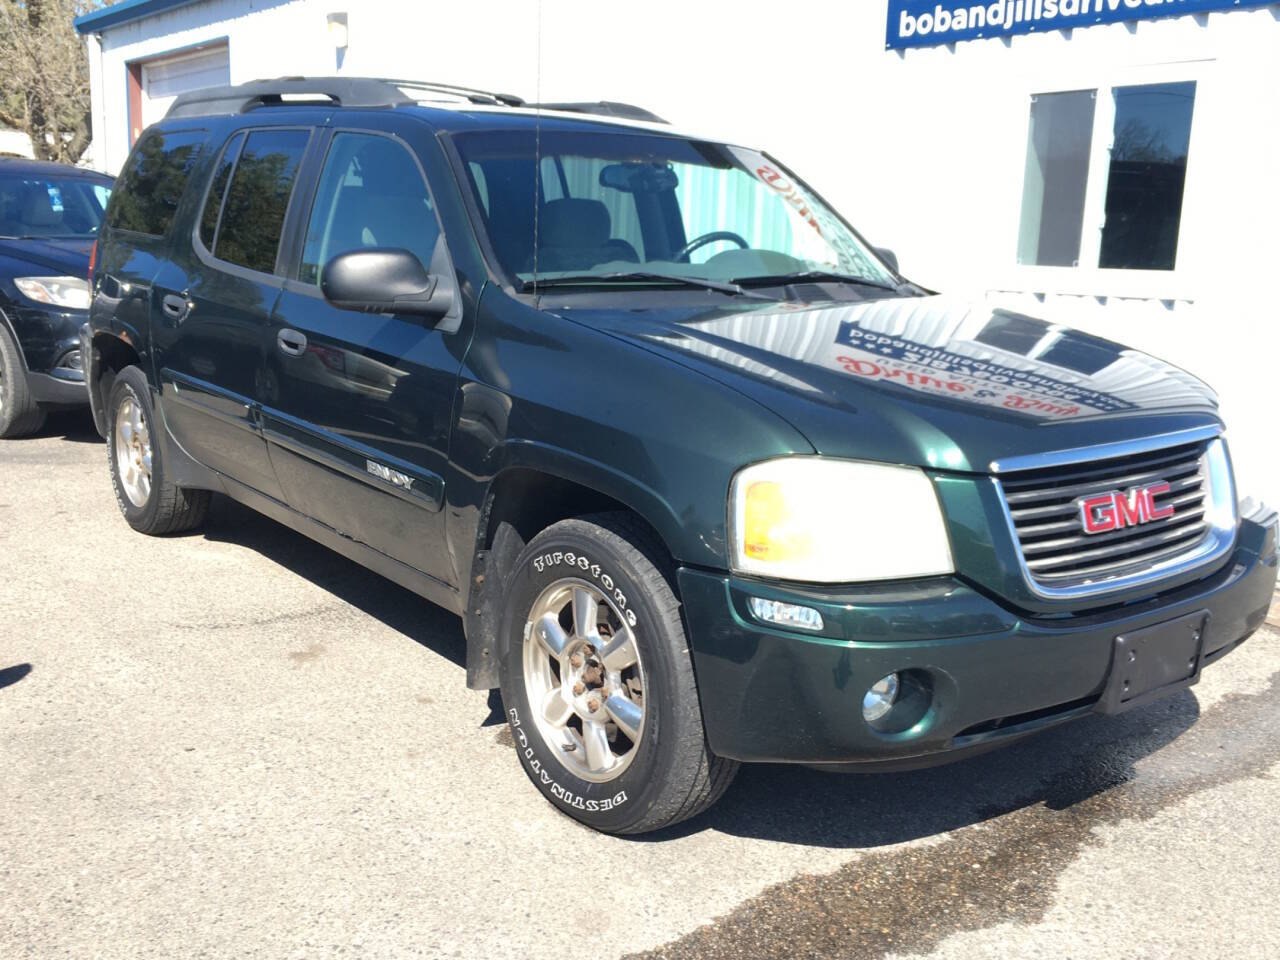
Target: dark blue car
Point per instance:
(49, 218)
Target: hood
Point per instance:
(63, 256)
(927, 381)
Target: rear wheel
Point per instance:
(597, 681)
(150, 502)
(20, 415)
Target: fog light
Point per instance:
(880, 699)
(70, 360)
(786, 614)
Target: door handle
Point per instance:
(291, 342)
(176, 306)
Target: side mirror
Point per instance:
(386, 280)
(889, 257)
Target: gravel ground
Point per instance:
(236, 743)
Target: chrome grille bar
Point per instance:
(1059, 559)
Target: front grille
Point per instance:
(1044, 507)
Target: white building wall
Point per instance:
(923, 150)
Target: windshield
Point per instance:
(622, 204)
(51, 207)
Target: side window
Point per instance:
(258, 198)
(371, 194)
(482, 186)
(218, 190)
(1140, 177)
(152, 182)
(1151, 138)
(1057, 175)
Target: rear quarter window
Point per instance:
(257, 198)
(153, 180)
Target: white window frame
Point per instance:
(1088, 279)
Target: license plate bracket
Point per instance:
(1153, 662)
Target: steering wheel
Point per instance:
(682, 255)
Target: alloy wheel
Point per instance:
(133, 452)
(584, 680)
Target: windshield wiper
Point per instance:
(641, 276)
(812, 276)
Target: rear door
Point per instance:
(139, 220)
(214, 302)
(360, 404)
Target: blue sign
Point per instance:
(931, 23)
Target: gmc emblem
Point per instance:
(1115, 510)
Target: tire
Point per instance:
(20, 415)
(157, 506)
(618, 748)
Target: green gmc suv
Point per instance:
(707, 480)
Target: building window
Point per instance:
(1148, 169)
(1104, 177)
(1053, 189)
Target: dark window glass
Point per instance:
(1057, 174)
(1148, 170)
(258, 197)
(151, 184)
(59, 206)
(1013, 332)
(1080, 352)
(213, 202)
(371, 194)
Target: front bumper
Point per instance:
(770, 695)
(64, 388)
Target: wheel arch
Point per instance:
(528, 495)
(108, 355)
(7, 324)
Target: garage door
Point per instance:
(163, 80)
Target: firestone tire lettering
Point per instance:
(580, 562)
(565, 796)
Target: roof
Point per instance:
(21, 165)
(124, 12)
(445, 106)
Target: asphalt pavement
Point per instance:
(238, 744)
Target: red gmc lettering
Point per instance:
(1116, 510)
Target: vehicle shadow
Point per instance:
(73, 425)
(785, 803)
(1057, 769)
(11, 675)
(422, 621)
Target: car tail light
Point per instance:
(93, 259)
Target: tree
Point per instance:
(44, 87)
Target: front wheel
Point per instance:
(598, 684)
(150, 502)
(20, 415)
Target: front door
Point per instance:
(357, 406)
(213, 302)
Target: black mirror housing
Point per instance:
(889, 257)
(384, 280)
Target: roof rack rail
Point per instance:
(470, 93)
(604, 108)
(322, 91)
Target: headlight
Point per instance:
(836, 521)
(69, 292)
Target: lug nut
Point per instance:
(579, 689)
(575, 660)
(593, 705)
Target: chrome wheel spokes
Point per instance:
(584, 680)
(133, 452)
